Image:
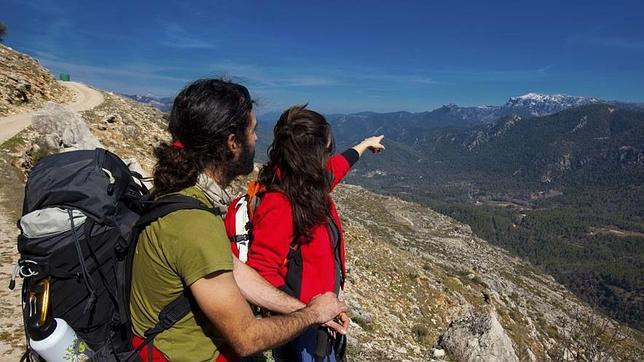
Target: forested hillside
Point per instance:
(564, 191)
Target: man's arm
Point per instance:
(260, 292)
(222, 302)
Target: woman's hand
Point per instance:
(370, 143)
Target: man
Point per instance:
(213, 128)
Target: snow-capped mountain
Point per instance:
(527, 105)
(164, 104)
(537, 105)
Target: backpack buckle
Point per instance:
(28, 268)
(24, 269)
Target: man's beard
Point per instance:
(244, 165)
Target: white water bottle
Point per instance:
(59, 342)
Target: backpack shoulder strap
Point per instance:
(166, 205)
(156, 209)
(241, 217)
(253, 196)
(169, 315)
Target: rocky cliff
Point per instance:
(25, 84)
(420, 285)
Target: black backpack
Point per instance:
(82, 214)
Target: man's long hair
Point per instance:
(297, 166)
(203, 115)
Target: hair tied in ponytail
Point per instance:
(177, 144)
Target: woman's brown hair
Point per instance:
(297, 166)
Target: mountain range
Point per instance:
(451, 115)
(527, 105)
(544, 151)
(164, 104)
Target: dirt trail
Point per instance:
(86, 98)
(12, 339)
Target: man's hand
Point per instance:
(339, 324)
(326, 307)
(217, 293)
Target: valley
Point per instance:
(547, 189)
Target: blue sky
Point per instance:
(342, 56)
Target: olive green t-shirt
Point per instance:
(172, 253)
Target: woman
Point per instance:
(297, 237)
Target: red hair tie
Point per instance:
(177, 144)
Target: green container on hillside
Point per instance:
(64, 77)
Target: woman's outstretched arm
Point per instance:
(374, 144)
(340, 164)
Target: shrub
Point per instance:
(420, 331)
(3, 31)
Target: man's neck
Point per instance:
(219, 176)
(216, 193)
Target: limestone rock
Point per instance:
(110, 118)
(69, 138)
(130, 132)
(56, 122)
(439, 353)
(478, 337)
(35, 148)
(51, 142)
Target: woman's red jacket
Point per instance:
(272, 231)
